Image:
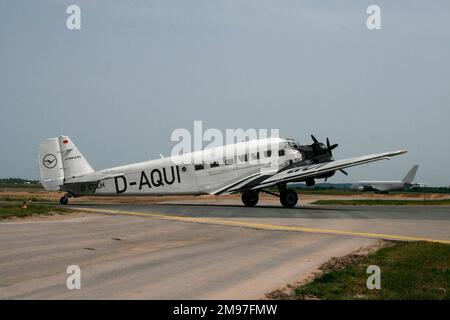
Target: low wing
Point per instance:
(373, 187)
(380, 188)
(265, 179)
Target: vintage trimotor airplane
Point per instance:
(263, 165)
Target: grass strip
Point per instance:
(383, 202)
(9, 211)
(409, 270)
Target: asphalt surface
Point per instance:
(217, 250)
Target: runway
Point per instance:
(194, 250)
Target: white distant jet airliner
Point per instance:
(384, 186)
(263, 165)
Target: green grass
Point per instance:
(409, 270)
(325, 191)
(17, 199)
(388, 202)
(21, 187)
(9, 211)
(20, 199)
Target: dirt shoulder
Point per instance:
(336, 263)
(43, 196)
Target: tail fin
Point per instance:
(59, 158)
(50, 165)
(409, 178)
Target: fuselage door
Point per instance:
(210, 175)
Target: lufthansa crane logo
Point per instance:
(49, 161)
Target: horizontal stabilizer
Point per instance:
(93, 177)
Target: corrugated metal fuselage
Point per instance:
(200, 172)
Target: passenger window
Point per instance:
(268, 153)
(255, 155)
(281, 153)
(243, 158)
(199, 166)
(214, 164)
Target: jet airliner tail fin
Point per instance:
(409, 178)
(59, 158)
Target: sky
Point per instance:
(138, 70)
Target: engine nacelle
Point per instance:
(325, 175)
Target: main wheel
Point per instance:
(250, 199)
(64, 200)
(288, 198)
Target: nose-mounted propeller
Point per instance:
(320, 149)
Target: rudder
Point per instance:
(74, 163)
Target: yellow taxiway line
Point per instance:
(262, 226)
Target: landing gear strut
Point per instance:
(250, 198)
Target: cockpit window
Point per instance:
(291, 143)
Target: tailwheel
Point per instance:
(288, 198)
(64, 200)
(250, 199)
